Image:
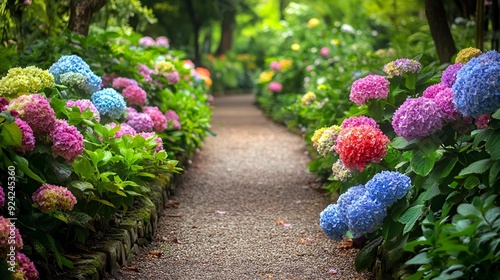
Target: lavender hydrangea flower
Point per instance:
(357, 121)
(121, 83)
(25, 268)
(109, 102)
(162, 41)
(449, 75)
(141, 122)
(51, 197)
(371, 86)
(159, 120)
(364, 216)
(173, 119)
(172, 77)
(401, 66)
(477, 88)
(387, 187)
(417, 118)
(146, 42)
(74, 63)
(332, 222)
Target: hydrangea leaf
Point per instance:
(367, 255)
(493, 145)
(410, 217)
(423, 164)
(11, 135)
(494, 170)
(477, 167)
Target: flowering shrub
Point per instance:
(51, 198)
(36, 111)
(20, 81)
(134, 95)
(75, 64)
(371, 86)
(109, 102)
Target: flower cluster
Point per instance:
(50, 198)
(464, 55)
(357, 121)
(417, 118)
(74, 63)
(25, 80)
(3, 103)
(6, 228)
(265, 76)
(432, 90)
(134, 95)
(313, 22)
(125, 129)
(160, 41)
(172, 77)
(275, 87)
(360, 145)
(145, 72)
(482, 121)
(172, 118)
(371, 86)
(476, 89)
(28, 139)
(24, 269)
(158, 140)
(35, 110)
(340, 172)
(326, 141)
(109, 102)
(77, 80)
(308, 98)
(275, 65)
(163, 67)
(159, 120)
(67, 141)
(402, 66)
(141, 122)
(444, 100)
(324, 52)
(317, 134)
(362, 209)
(121, 83)
(84, 104)
(449, 75)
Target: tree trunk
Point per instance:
(196, 32)
(495, 22)
(283, 4)
(81, 13)
(227, 26)
(440, 30)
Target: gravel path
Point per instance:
(245, 210)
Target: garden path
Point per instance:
(246, 210)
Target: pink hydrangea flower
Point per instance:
(159, 120)
(134, 95)
(444, 99)
(449, 75)
(357, 121)
(173, 118)
(121, 83)
(417, 118)
(162, 41)
(6, 227)
(482, 121)
(83, 104)
(147, 42)
(159, 141)
(431, 91)
(324, 52)
(141, 122)
(28, 139)
(125, 129)
(129, 111)
(371, 86)
(25, 268)
(67, 141)
(50, 198)
(145, 72)
(172, 77)
(275, 87)
(360, 145)
(35, 110)
(275, 65)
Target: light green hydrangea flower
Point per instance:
(19, 81)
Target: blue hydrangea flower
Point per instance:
(387, 187)
(109, 102)
(332, 222)
(477, 87)
(350, 196)
(74, 63)
(364, 216)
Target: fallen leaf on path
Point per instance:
(164, 238)
(305, 240)
(172, 203)
(156, 253)
(194, 227)
(220, 212)
(280, 223)
(175, 240)
(298, 202)
(332, 271)
(346, 243)
(286, 225)
(131, 268)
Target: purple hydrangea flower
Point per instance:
(173, 118)
(387, 187)
(275, 87)
(449, 74)
(172, 77)
(121, 83)
(332, 222)
(141, 122)
(482, 121)
(444, 99)
(417, 118)
(7, 229)
(371, 86)
(162, 41)
(147, 42)
(401, 66)
(35, 110)
(275, 65)
(51, 198)
(357, 121)
(134, 95)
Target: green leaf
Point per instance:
(367, 255)
(468, 209)
(494, 170)
(471, 182)
(493, 145)
(410, 217)
(401, 144)
(419, 259)
(423, 164)
(443, 168)
(105, 202)
(82, 186)
(477, 167)
(60, 216)
(411, 81)
(84, 168)
(22, 164)
(496, 115)
(11, 135)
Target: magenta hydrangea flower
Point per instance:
(401, 66)
(173, 119)
(50, 198)
(159, 141)
(125, 129)
(6, 228)
(324, 52)
(3, 103)
(159, 120)
(121, 83)
(357, 121)
(35, 110)
(107, 80)
(275, 87)
(83, 104)
(444, 99)
(172, 77)
(134, 95)
(145, 72)
(141, 122)
(417, 118)
(449, 75)
(162, 41)
(67, 141)
(129, 111)
(28, 139)
(275, 65)
(147, 42)
(371, 86)
(482, 121)
(25, 268)
(431, 91)
(2, 197)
